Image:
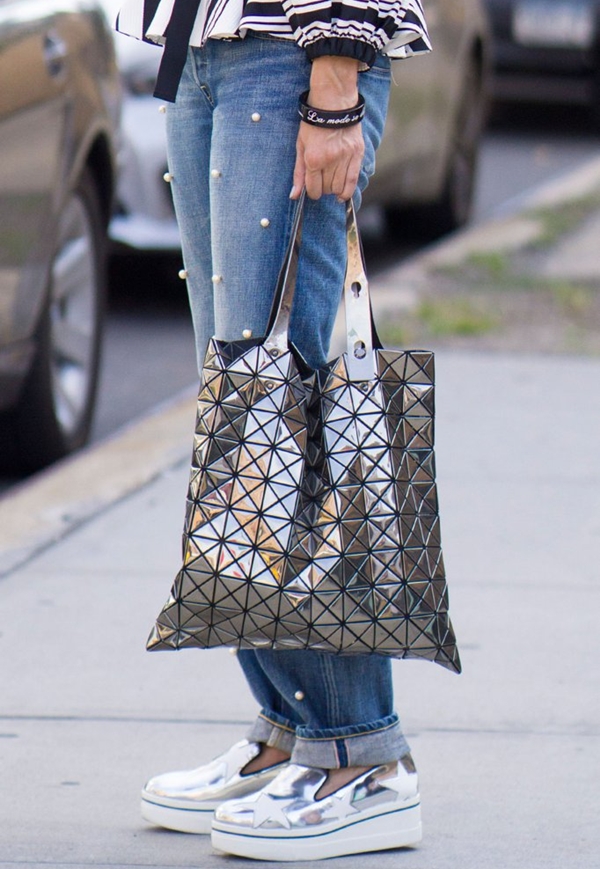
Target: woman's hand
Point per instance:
(329, 161)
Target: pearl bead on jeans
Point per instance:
(231, 151)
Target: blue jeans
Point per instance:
(231, 142)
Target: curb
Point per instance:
(512, 227)
(42, 510)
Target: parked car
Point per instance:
(546, 50)
(427, 159)
(59, 106)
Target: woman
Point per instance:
(325, 770)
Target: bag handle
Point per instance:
(278, 328)
(361, 335)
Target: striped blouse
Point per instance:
(354, 28)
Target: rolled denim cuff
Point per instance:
(355, 745)
(274, 730)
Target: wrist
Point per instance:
(333, 83)
(337, 119)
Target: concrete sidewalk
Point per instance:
(508, 752)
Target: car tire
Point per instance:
(55, 411)
(453, 207)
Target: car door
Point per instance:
(32, 123)
(423, 102)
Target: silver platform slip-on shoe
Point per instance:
(186, 800)
(284, 821)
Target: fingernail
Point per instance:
(292, 192)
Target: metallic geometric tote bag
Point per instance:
(312, 515)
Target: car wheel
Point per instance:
(55, 412)
(453, 208)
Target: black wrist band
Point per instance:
(333, 120)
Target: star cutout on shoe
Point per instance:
(340, 803)
(266, 808)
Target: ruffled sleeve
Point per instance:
(360, 28)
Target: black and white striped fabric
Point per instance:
(353, 28)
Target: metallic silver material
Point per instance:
(291, 799)
(276, 342)
(186, 800)
(312, 516)
(359, 334)
(287, 820)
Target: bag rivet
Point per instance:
(183, 273)
(265, 222)
(216, 279)
(247, 333)
(364, 387)
(162, 110)
(274, 352)
(215, 173)
(255, 117)
(269, 384)
(168, 177)
(299, 695)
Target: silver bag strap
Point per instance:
(277, 338)
(360, 332)
(357, 304)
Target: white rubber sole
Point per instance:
(374, 832)
(183, 820)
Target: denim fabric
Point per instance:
(231, 149)
(232, 172)
(328, 710)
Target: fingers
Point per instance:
(328, 161)
(340, 182)
(299, 171)
(344, 184)
(314, 183)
